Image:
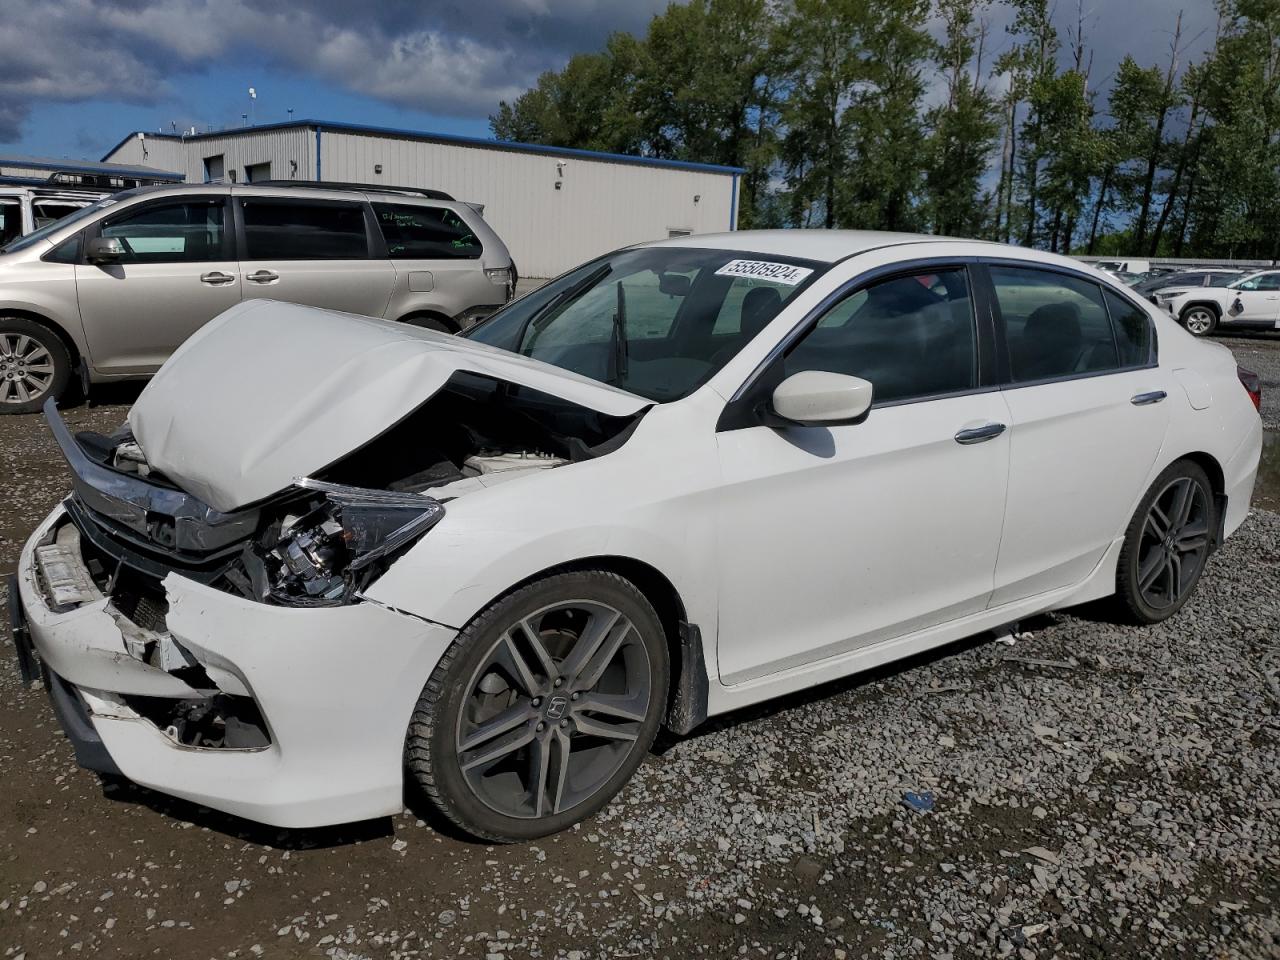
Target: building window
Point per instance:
(214, 169)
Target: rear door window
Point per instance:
(1055, 325)
(414, 232)
(288, 230)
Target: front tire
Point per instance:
(542, 708)
(1167, 544)
(1199, 320)
(34, 365)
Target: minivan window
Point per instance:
(185, 232)
(287, 230)
(10, 220)
(84, 213)
(1055, 324)
(910, 336)
(425, 233)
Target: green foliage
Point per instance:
(848, 113)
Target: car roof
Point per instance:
(821, 245)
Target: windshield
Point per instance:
(656, 321)
(35, 236)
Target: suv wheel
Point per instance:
(542, 708)
(1199, 320)
(33, 365)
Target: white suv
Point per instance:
(111, 290)
(1251, 302)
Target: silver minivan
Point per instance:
(110, 291)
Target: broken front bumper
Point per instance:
(335, 686)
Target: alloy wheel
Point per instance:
(26, 368)
(554, 709)
(1174, 543)
(1199, 321)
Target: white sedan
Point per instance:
(329, 554)
(1250, 303)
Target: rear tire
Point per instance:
(1199, 320)
(34, 365)
(542, 708)
(431, 321)
(1166, 545)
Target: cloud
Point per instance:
(452, 58)
(449, 57)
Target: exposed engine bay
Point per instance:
(324, 539)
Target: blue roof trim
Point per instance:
(450, 138)
(89, 166)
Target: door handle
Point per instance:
(1146, 399)
(216, 278)
(262, 276)
(988, 431)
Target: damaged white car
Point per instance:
(327, 553)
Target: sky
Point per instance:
(76, 76)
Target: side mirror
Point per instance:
(674, 284)
(819, 398)
(104, 250)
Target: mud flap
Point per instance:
(689, 704)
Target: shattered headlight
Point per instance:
(326, 553)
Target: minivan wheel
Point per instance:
(33, 365)
(542, 708)
(1167, 544)
(1199, 320)
(431, 321)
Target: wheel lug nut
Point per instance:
(559, 681)
(541, 727)
(537, 701)
(564, 723)
(574, 696)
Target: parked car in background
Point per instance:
(1186, 279)
(1249, 302)
(1128, 279)
(25, 208)
(111, 290)
(329, 552)
(1123, 266)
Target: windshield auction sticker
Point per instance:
(765, 270)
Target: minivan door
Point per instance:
(316, 252)
(176, 274)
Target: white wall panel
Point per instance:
(600, 205)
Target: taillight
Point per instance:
(1252, 385)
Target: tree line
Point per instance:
(852, 113)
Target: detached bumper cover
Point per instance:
(337, 687)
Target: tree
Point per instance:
(962, 131)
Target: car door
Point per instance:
(1088, 417)
(176, 274)
(1255, 301)
(834, 538)
(312, 251)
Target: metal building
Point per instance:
(554, 207)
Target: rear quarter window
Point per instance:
(414, 232)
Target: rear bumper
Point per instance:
(336, 687)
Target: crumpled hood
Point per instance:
(270, 391)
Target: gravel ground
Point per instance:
(1097, 791)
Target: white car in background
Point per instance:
(681, 479)
(1251, 302)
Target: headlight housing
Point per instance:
(331, 550)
